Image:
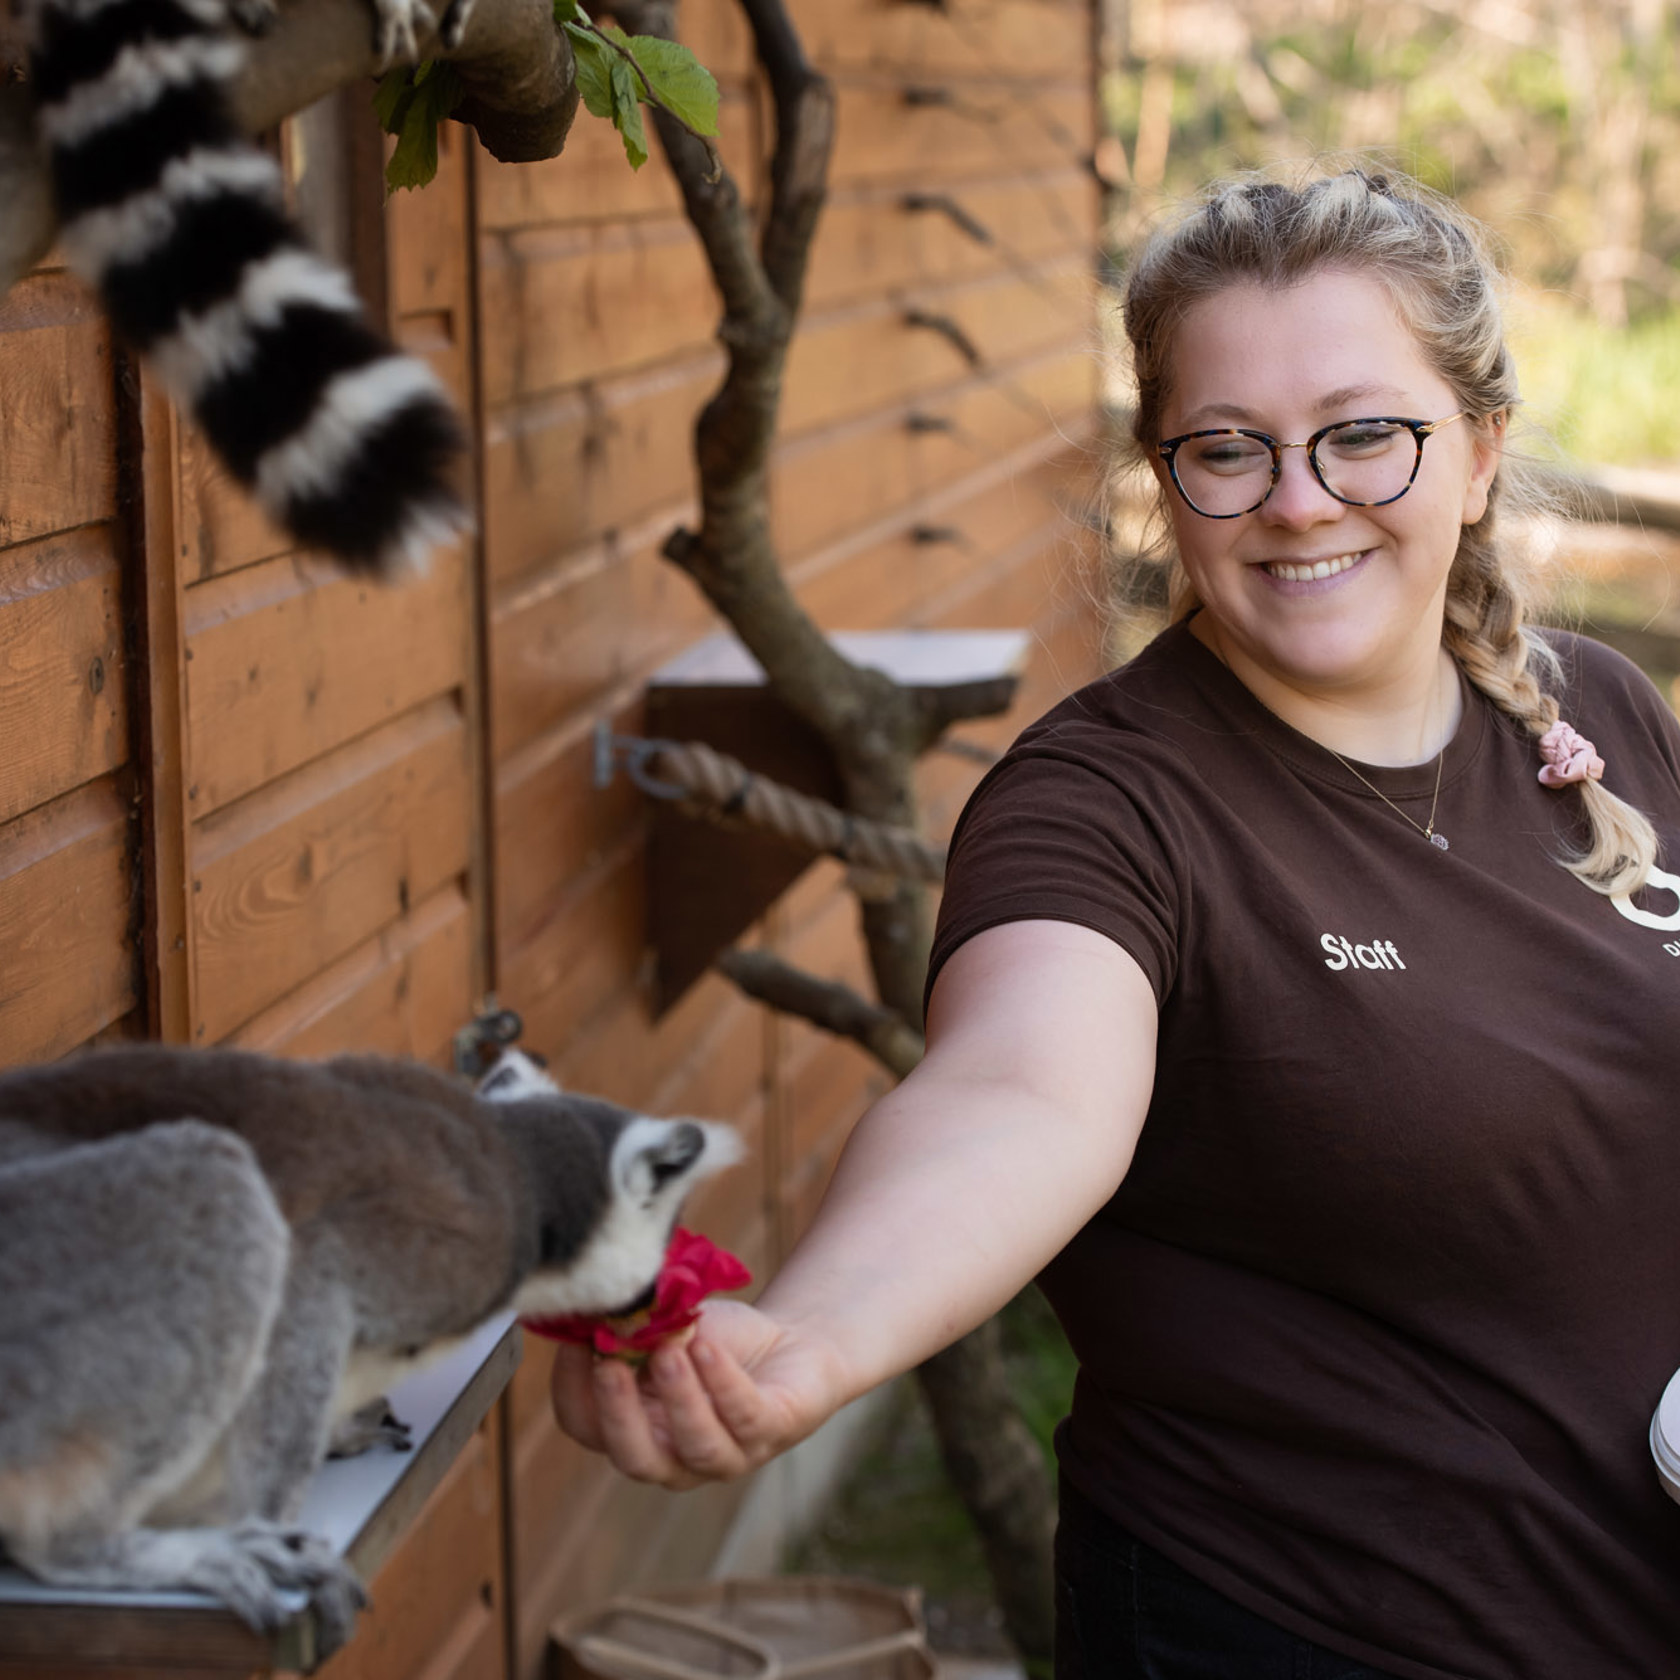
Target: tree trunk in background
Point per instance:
(998, 1472)
(874, 728)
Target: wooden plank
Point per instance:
(559, 305)
(430, 237)
(221, 526)
(561, 469)
(719, 1075)
(827, 1089)
(589, 947)
(426, 235)
(1046, 39)
(436, 1601)
(570, 634)
(598, 1545)
(731, 1208)
(63, 673)
(592, 181)
(919, 129)
(288, 659)
(552, 823)
(564, 1503)
(126, 1029)
(873, 238)
(716, 32)
(821, 482)
(403, 992)
(845, 362)
(160, 744)
(66, 916)
(57, 409)
(621, 1053)
(807, 899)
(896, 579)
(290, 878)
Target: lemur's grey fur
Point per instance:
(208, 1259)
(179, 223)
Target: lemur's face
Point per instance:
(616, 1181)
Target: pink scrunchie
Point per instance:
(1569, 757)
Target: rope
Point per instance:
(721, 789)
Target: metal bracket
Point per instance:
(634, 752)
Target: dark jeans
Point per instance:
(1124, 1612)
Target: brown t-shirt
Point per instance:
(1371, 1335)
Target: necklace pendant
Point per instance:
(1438, 840)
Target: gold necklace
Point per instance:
(1428, 833)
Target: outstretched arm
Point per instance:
(953, 1191)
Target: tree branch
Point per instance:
(887, 1037)
(873, 726)
(515, 62)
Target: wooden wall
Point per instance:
(246, 801)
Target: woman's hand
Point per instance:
(741, 1390)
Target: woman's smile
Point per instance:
(1312, 571)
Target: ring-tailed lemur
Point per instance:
(210, 1258)
(179, 222)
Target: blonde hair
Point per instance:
(1436, 264)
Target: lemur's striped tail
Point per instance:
(179, 222)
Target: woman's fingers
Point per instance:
(697, 1434)
(628, 1436)
(740, 1402)
(571, 1387)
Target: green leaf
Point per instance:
(569, 11)
(611, 88)
(627, 112)
(680, 79)
(410, 105)
(390, 97)
(594, 71)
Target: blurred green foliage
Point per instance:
(1601, 393)
(1555, 121)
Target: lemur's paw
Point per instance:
(396, 33)
(453, 24)
(369, 1426)
(289, 1560)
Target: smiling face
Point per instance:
(1314, 604)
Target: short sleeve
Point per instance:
(1057, 833)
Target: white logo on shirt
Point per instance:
(1380, 953)
(1645, 918)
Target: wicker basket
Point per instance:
(784, 1627)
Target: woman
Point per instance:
(1372, 1313)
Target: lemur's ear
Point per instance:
(657, 1154)
(662, 1152)
(515, 1076)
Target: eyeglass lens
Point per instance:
(1363, 461)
